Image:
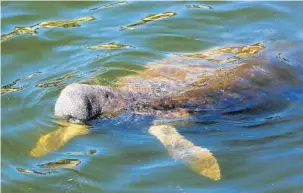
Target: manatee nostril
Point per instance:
(106, 96)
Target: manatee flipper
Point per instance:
(200, 160)
(58, 138)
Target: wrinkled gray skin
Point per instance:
(79, 102)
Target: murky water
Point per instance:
(258, 144)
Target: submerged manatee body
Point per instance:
(223, 80)
(218, 79)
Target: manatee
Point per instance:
(180, 85)
(177, 83)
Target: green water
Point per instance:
(257, 156)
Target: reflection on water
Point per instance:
(244, 146)
(66, 23)
(22, 170)
(56, 81)
(148, 18)
(47, 24)
(62, 163)
(110, 5)
(18, 31)
(11, 87)
(199, 6)
(109, 46)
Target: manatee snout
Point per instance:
(80, 102)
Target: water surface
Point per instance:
(259, 150)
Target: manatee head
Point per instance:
(79, 102)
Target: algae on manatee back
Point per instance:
(228, 54)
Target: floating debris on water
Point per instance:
(66, 23)
(109, 46)
(200, 160)
(90, 152)
(110, 5)
(56, 82)
(19, 31)
(148, 18)
(228, 54)
(199, 6)
(62, 163)
(23, 170)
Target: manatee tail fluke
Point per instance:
(200, 160)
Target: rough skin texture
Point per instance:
(80, 102)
